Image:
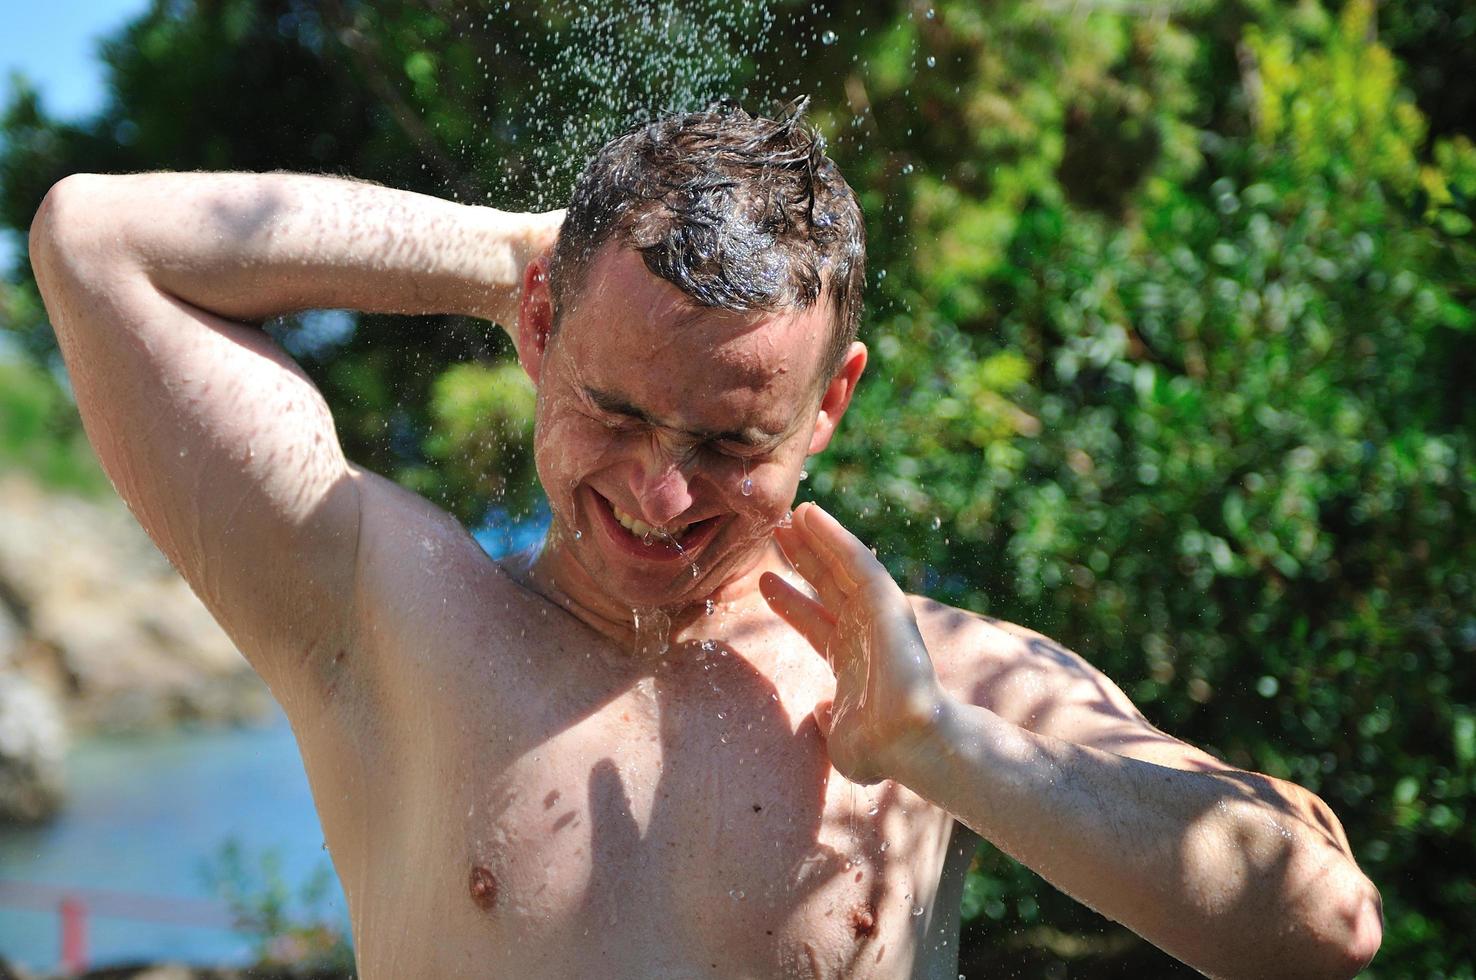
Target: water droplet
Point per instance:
(711, 607)
(828, 38)
(804, 474)
(707, 647)
(932, 62)
(884, 845)
(906, 169)
(578, 534)
(937, 523)
(931, 13)
(917, 910)
(874, 809)
(736, 894)
(747, 487)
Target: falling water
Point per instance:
(619, 64)
(653, 631)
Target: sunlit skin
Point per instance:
(723, 402)
(515, 782)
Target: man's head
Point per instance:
(739, 212)
(692, 339)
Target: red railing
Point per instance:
(74, 906)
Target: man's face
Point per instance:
(670, 438)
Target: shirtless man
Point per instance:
(692, 737)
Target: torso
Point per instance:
(507, 793)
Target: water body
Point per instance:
(145, 815)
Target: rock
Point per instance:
(32, 751)
(99, 619)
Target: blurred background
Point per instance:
(1171, 313)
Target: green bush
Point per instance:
(288, 926)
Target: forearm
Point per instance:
(252, 246)
(1229, 872)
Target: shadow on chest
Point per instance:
(691, 796)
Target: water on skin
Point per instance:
(653, 631)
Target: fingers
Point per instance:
(817, 568)
(847, 553)
(809, 618)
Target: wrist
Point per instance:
(513, 241)
(920, 750)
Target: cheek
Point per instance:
(771, 486)
(565, 441)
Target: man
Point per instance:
(695, 736)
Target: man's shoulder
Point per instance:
(952, 632)
(415, 557)
(989, 661)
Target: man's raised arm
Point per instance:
(219, 443)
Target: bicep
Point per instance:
(223, 449)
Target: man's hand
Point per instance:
(540, 234)
(532, 252)
(887, 695)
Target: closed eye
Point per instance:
(616, 422)
(739, 450)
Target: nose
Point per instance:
(661, 488)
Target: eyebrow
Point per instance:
(615, 404)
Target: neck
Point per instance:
(558, 576)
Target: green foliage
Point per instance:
(481, 440)
(39, 432)
(1171, 324)
(1241, 479)
(287, 926)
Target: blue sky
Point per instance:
(54, 44)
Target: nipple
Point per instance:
(483, 887)
(863, 920)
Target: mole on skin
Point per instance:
(483, 887)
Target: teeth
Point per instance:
(641, 529)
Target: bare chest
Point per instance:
(684, 823)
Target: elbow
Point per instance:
(1349, 933)
(63, 225)
(1364, 929)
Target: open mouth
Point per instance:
(635, 537)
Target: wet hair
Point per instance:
(737, 211)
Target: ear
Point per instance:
(535, 317)
(837, 396)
